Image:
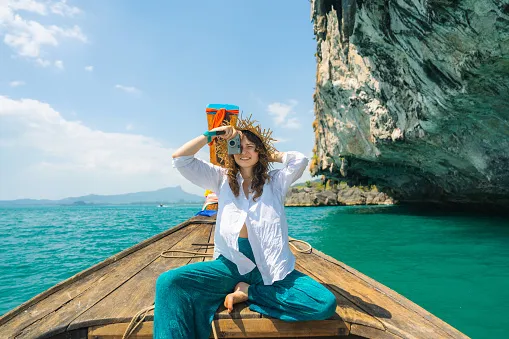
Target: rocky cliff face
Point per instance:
(413, 95)
(349, 196)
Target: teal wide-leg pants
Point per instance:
(187, 297)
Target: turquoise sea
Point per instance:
(454, 265)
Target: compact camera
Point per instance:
(234, 145)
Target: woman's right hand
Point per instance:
(229, 132)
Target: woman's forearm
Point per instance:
(191, 147)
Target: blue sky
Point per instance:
(96, 95)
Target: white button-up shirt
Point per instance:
(265, 218)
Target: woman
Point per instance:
(252, 259)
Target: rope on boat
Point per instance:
(206, 255)
(136, 321)
(139, 318)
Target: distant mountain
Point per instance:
(167, 195)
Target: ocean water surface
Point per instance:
(456, 266)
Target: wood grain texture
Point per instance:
(247, 328)
(138, 292)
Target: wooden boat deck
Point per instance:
(100, 301)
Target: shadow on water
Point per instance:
(428, 209)
(461, 222)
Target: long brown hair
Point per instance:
(260, 170)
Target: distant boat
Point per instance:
(161, 205)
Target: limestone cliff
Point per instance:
(349, 196)
(413, 95)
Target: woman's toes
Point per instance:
(228, 302)
(239, 295)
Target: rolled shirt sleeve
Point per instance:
(294, 165)
(199, 172)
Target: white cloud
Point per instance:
(28, 38)
(42, 62)
(52, 157)
(128, 89)
(292, 123)
(26, 5)
(74, 33)
(284, 114)
(63, 9)
(129, 127)
(59, 64)
(279, 112)
(89, 68)
(16, 83)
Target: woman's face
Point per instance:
(248, 156)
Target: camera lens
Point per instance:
(232, 142)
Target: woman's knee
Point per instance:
(167, 280)
(328, 305)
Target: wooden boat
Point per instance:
(101, 301)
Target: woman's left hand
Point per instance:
(276, 157)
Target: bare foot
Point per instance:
(239, 295)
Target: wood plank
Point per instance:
(394, 316)
(346, 310)
(57, 322)
(138, 292)
(210, 249)
(77, 334)
(202, 249)
(247, 328)
(116, 331)
(240, 311)
(370, 332)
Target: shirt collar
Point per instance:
(240, 178)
